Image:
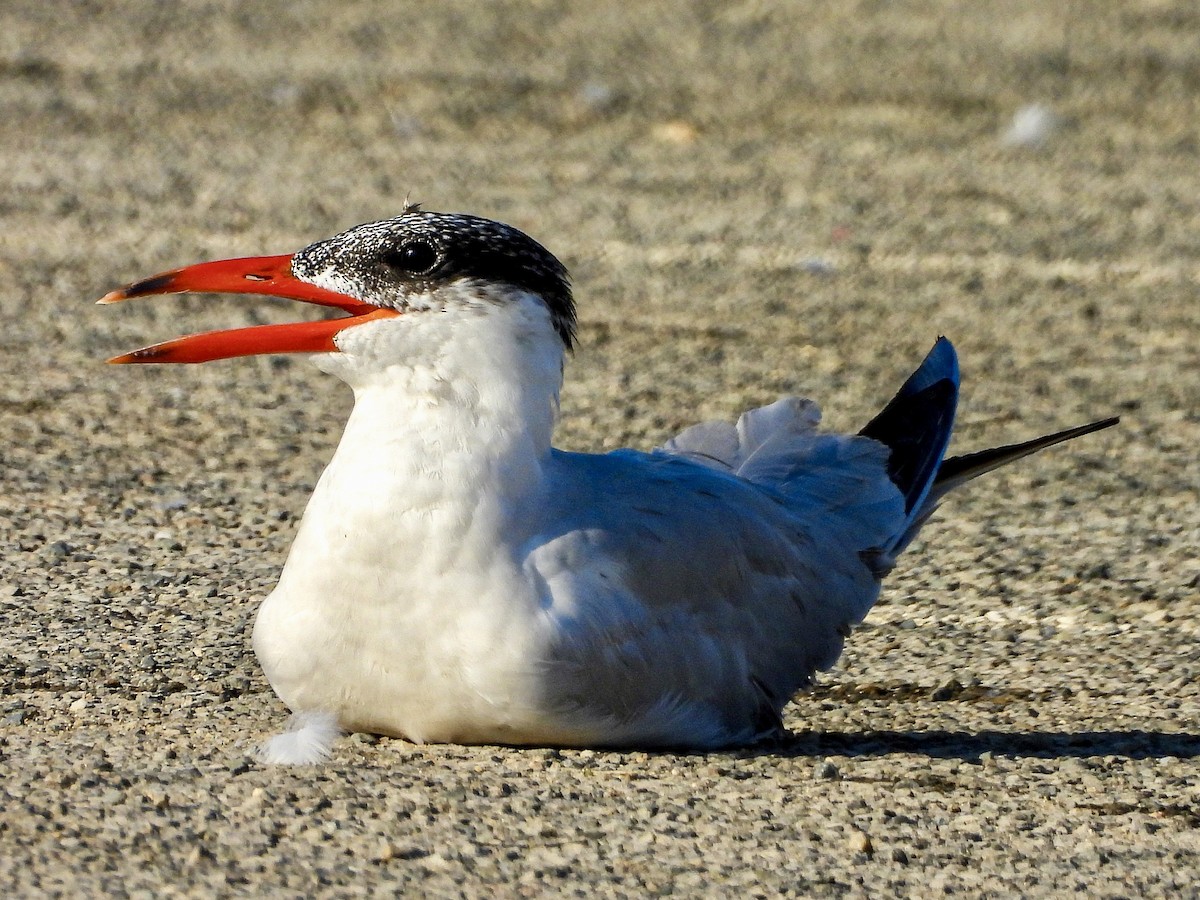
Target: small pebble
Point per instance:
(826, 771)
(860, 842)
(1032, 127)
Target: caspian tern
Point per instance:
(457, 579)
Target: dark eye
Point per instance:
(414, 258)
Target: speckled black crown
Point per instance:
(419, 251)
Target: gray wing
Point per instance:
(691, 591)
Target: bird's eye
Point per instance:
(415, 258)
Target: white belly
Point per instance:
(457, 665)
(397, 636)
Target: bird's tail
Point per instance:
(916, 427)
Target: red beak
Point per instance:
(268, 275)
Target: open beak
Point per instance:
(268, 275)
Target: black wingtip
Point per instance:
(916, 423)
(958, 469)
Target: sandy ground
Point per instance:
(755, 198)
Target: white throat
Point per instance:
(452, 405)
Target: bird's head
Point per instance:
(417, 265)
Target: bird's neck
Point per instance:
(457, 429)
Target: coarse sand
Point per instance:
(755, 198)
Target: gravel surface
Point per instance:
(755, 198)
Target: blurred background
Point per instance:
(810, 177)
(754, 198)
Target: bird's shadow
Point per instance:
(971, 745)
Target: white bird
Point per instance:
(457, 579)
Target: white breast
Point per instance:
(403, 608)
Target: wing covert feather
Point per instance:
(705, 584)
